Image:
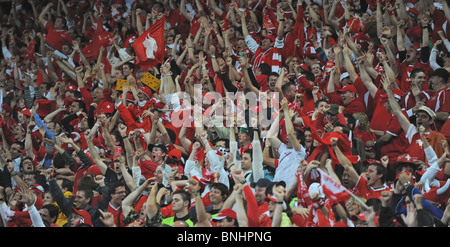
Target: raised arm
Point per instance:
(290, 126)
(128, 202)
(344, 161)
(402, 119)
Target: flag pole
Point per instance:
(349, 192)
(357, 199)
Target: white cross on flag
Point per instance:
(149, 47)
(333, 189)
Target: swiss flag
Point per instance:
(333, 189)
(149, 47)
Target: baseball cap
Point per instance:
(147, 91)
(86, 216)
(362, 217)
(262, 182)
(350, 88)
(343, 76)
(443, 73)
(334, 109)
(174, 154)
(38, 188)
(225, 213)
(158, 145)
(397, 95)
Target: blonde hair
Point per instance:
(363, 121)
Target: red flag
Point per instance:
(333, 189)
(149, 47)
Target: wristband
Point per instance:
(195, 193)
(281, 202)
(243, 181)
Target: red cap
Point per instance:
(271, 199)
(304, 67)
(71, 88)
(397, 94)
(225, 213)
(362, 217)
(147, 91)
(350, 88)
(7, 108)
(26, 112)
(174, 154)
(86, 216)
(38, 188)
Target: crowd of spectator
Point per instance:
(235, 120)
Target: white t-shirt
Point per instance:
(288, 163)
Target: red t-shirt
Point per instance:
(57, 38)
(398, 144)
(362, 189)
(117, 217)
(440, 102)
(380, 114)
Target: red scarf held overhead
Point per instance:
(324, 142)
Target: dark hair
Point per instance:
(77, 94)
(64, 21)
(130, 64)
(236, 223)
(380, 170)
(316, 104)
(26, 158)
(265, 69)
(87, 183)
(227, 142)
(53, 211)
(424, 218)
(185, 196)
(309, 75)
(88, 193)
(58, 161)
(66, 183)
(81, 104)
(249, 152)
(114, 186)
(415, 71)
(223, 189)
